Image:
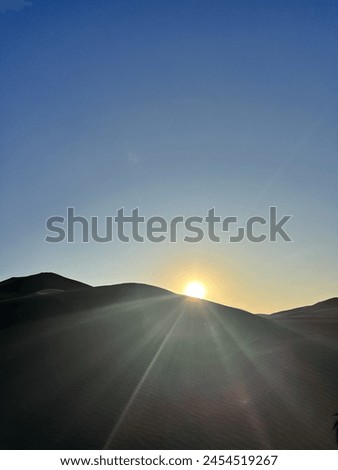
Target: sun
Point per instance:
(195, 289)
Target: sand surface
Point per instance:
(134, 366)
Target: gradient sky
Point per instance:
(173, 107)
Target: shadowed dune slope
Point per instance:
(19, 286)
(135, 366)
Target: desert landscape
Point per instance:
(133, 366)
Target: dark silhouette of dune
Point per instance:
(133, 366)
(16, 286)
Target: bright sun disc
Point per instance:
(195, 289)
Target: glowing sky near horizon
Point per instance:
(173, 107)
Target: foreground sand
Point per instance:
(134, 366)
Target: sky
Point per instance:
(173, 107)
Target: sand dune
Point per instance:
(19, 286)
(135, 366)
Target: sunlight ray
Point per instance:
(140, 384)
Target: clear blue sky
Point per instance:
(174, 107)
